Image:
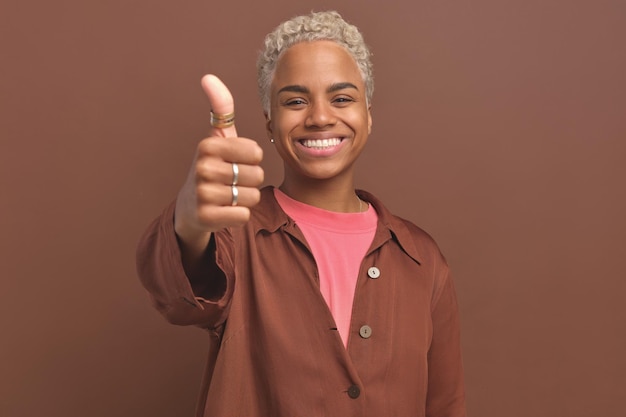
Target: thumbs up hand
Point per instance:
(223, 179)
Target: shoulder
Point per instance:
(424, 244)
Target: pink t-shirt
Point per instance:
(339, 241)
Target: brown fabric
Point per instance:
(274, 347)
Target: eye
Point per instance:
(343, 100)
(294, 102)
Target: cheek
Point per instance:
(285, 124)
(360, 122)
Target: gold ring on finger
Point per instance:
(222, 121)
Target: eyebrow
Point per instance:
(302, 89)
(341, 86)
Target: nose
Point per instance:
(319, 115)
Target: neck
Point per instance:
(322, 194)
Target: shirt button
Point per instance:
(373, 272)
(354, 391)
(365, 331)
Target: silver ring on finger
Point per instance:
(235, 174)
(235, 193)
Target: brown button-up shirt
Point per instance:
(275, 350)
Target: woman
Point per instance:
(318, 301)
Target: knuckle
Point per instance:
(207, 170)
(258, 154)
(206, 194)
(205, 216)
(260, 175)
(209, 146)
(255, 195)
(257, 175)
(204, 146)
(243, 215)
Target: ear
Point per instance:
(369, 119)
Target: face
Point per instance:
(319, 119)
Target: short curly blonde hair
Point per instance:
(316, 26)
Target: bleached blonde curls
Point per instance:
(328, 25)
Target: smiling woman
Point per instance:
(320, 122)
(318, 300)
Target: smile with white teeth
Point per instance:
(321, 143)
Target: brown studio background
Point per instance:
(498, 127)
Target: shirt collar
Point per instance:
(269, 216)
(397, 228)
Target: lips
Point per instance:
(320, 144)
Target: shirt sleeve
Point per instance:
(446, 389)
(203, 303)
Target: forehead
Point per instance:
(321, 62)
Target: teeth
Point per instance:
(321, 143)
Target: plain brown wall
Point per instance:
(499, 127)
